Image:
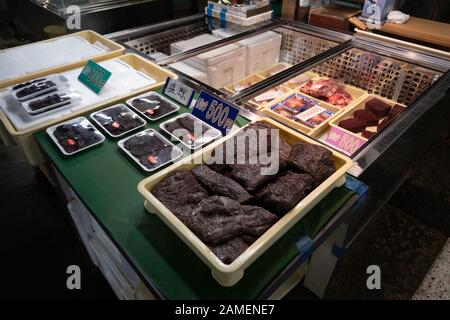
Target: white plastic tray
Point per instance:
(22, 60)
(85, 123)
(92, 116)
(121, 145)
(213, 133)
(124, 79)
(130, 103)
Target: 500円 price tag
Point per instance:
(215, 112)
(94, 76)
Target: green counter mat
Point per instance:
(106, 181)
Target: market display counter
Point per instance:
(104, 181)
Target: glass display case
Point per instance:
(86, 6)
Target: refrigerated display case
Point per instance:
(362, 67)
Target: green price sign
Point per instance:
(94, 76)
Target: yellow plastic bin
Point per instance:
(25, 137)
(230, 274)
(40, 66)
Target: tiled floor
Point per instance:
(436, 284)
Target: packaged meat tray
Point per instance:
(332, 92)
(75, 135)
(302, 112)
(153, 106)
(33, 88)
(186, 128)
(268, 96)
(229, 214)
(353, 128)
(149, 150)
(50, 101)
(118, 120)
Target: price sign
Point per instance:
(179, 92)
(94, 76)
(215, 112)
(344, 141)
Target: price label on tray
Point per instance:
(343, 141)
(179, 92)
(94, 76)
(215, 112)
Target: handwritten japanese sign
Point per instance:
(215, 112)
(179, 92)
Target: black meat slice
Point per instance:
(215, 220)
(118, 120)
(180, 193)
(217, 205)
(255, 221)
(249, 176)
(153, 106)
(73, 137)
(219, 184)
(230, 250)
(144, 145)
(313, 159)
(285, 192)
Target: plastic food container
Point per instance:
(54, 55)
(52, 100)
(355, 93)
(83, 124)
(147, 103)
(26, 91)
(104, 118)
(262, 51)
(208, 133)
(175, 154)
(230, 274)
(279, 109)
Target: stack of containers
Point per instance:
(219, 66)
(230, 63)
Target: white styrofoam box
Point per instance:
(192, 43)
(80, 226)
(222, 66)
(190, 71)
(262, 51)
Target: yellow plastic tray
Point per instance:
(297, 125)
(25, 137)
(91, 36)
(229, 275)
(360, 105)
(253, 78)
(356, 93)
